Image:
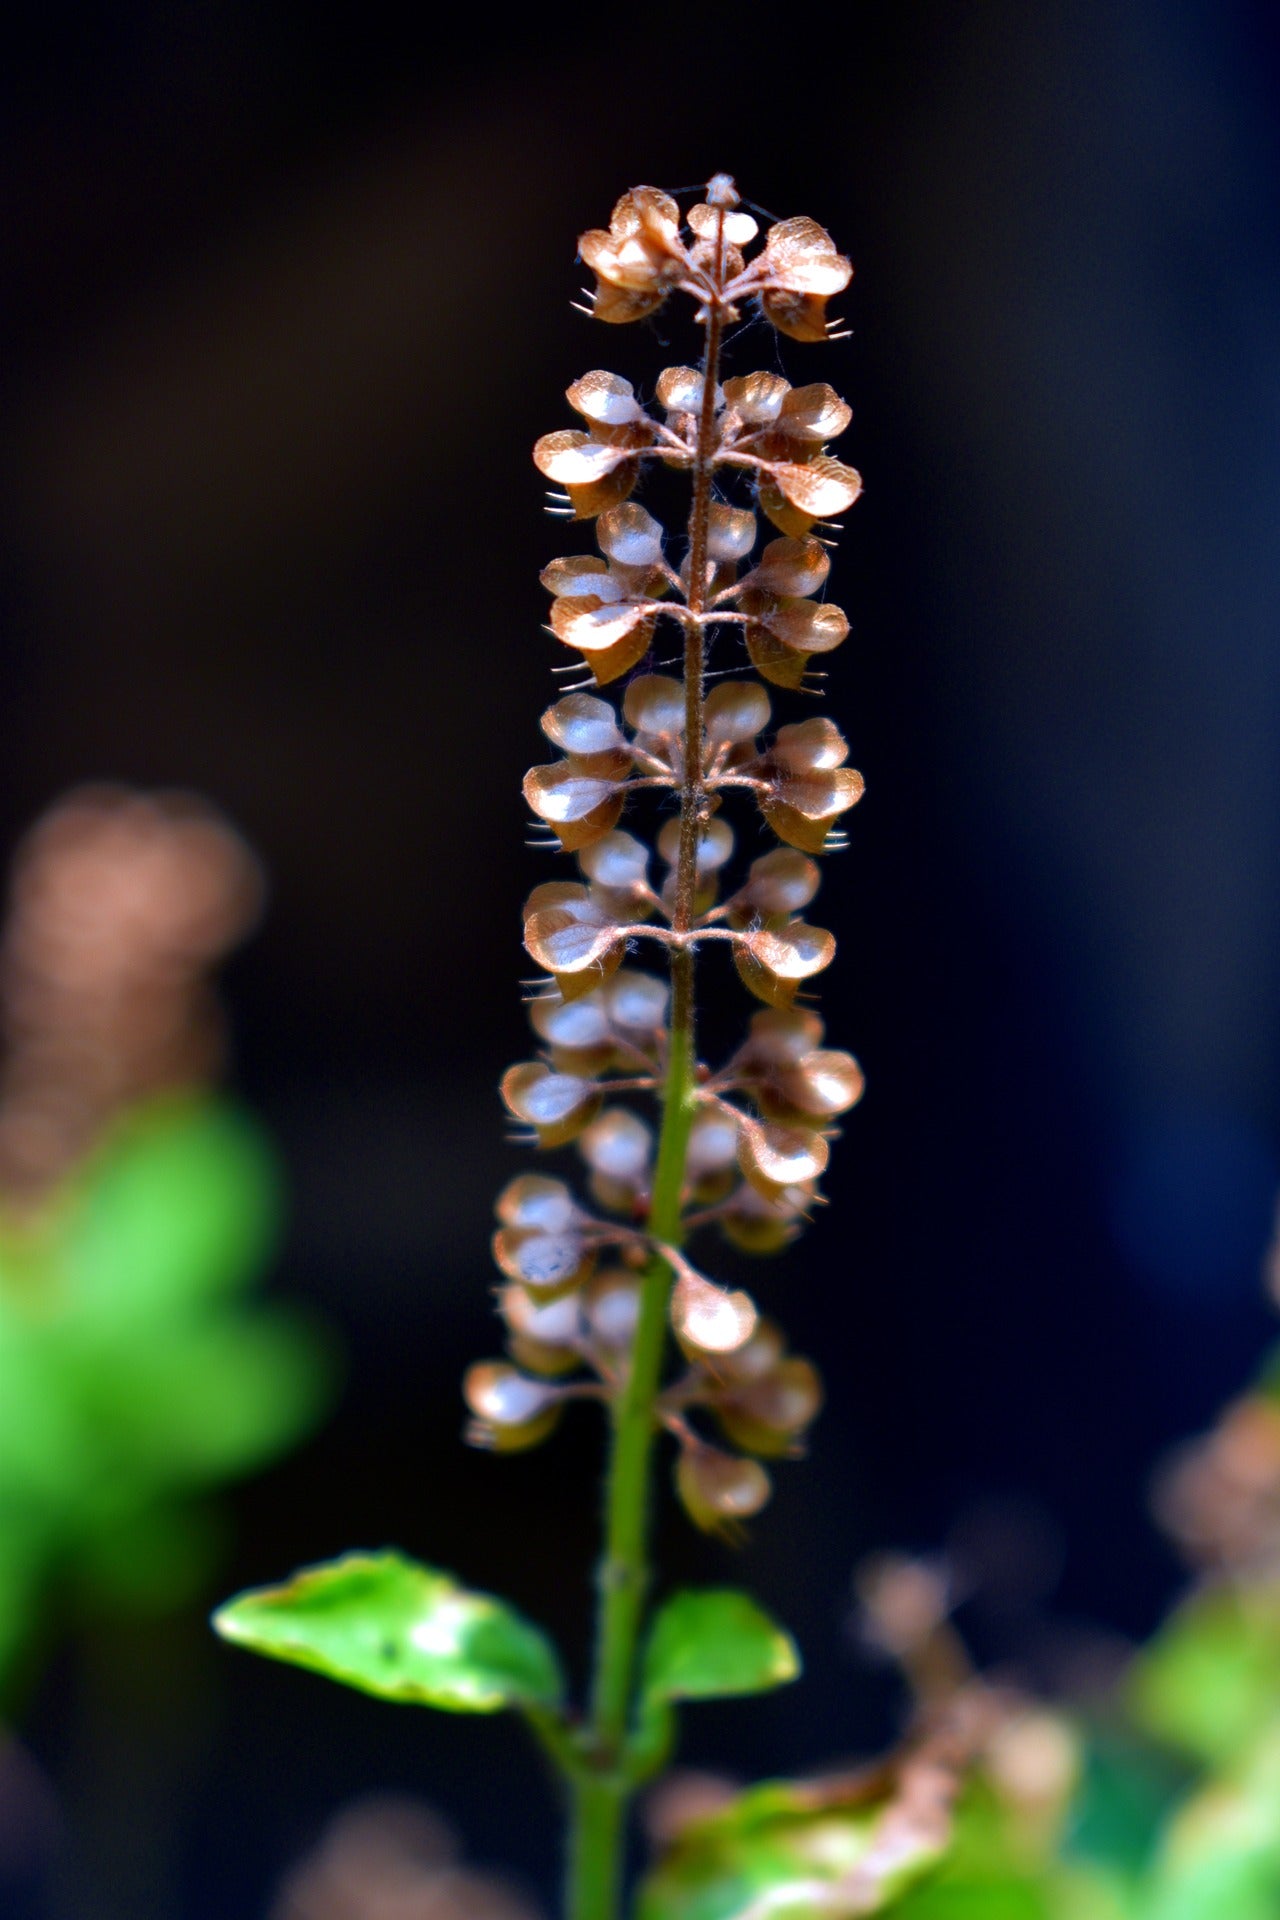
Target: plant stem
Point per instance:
(601, 1789)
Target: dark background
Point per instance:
(285, 302)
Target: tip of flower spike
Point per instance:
(721, 191)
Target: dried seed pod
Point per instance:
(720, 1490)
(640, 255)
(709, 1319)
(511, 1410)
(618, 305)
(536, 1200)
(803, 316)
(619, 1147)
(654, 705)
(774, 1156)
(803, 811)
(731, 533)
(818, 487)
(790, 567)
(617, 861)
(768, 1415)
(757, 397)
(555, 1326)
(586, 499)
(715, 843)
(569, 932)
(781, 882)
(548, 1264)
(738, 228)
(809, 746)
(800, 257)
(779, 1038)
(781, 665)
(581, 724)
(596, 628)
(773, 503)
(623, 657)
(735, 712)
(575, 459)
(754, 1359)
(805, 626)
(630, 536)
(762, 1223)
(815, 413)
(823, 1083)
(773, 962)
(605, 399)
(579, 797)
(713, 1144)
(637, 1003)
(680, 390)
(583, 576)
(578, 1032)
(611, 1304)
(556, 1105)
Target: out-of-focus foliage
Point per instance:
(137, 1377)
(800, 1850)
(1162, 1803)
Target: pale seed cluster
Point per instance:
(764, 1121)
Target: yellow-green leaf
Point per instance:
(386, 1625)
(709, 1644)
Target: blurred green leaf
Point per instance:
(389, 1626)
(182, 1202)
(134, 1371)
(1124, 1795)
(1221, 1856)
(214, 1397)
(715, 1642)
(797, 1850)
(1003, 1866)
(1210, 1680)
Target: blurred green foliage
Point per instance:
(138, 1376)
(1161, 1802)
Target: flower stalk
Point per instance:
(714, 1159)
(597, 1840)
(599, 1287)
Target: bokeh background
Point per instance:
(285, 302)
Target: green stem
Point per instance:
(601, 1788)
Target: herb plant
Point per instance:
(1157, 1801)
(601, 1295)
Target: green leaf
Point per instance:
(389, 1626)
(1122, 1800)
(1210, 1680)
(1220, 1858)
(705, 1645)
(182, 1202)
(795, 1850)
(216, 1395)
